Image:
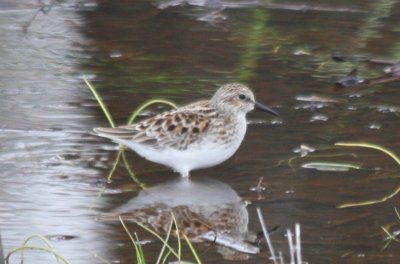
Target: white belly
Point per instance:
(184, 161)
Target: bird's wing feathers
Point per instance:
(175, 129)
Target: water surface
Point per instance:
(132, 51)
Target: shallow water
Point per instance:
(53, 170)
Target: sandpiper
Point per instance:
(199, 135)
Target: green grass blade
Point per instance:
(139, 252)
(370, 202)
(159, 238)
(166, 257)
(126, 229)
(166, 242)
(397, 213)
(371, 146)
(138, 249)
(178, 237)
(112, 124)
(147, 104)
(22, 248)
(131, 173)
(376, 147)
(40, 237)
(192, 249)
(100, 101)
(115, 164)
(389, 235)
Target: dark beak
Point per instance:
(264, 108)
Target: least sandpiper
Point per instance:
(199, 135)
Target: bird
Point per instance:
(199, 135)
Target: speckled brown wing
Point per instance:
(176, 129)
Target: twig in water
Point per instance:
(291, 245)
(259, 188)
(298, 243)
(294, 246)
(266, 235)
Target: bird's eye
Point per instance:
(242, 96)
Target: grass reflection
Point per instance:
(253, 41)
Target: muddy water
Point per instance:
(53, 170)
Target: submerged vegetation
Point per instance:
(385, 151)
(344, 166)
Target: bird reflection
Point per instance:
(204, 209)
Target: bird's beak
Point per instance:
(264, 108)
